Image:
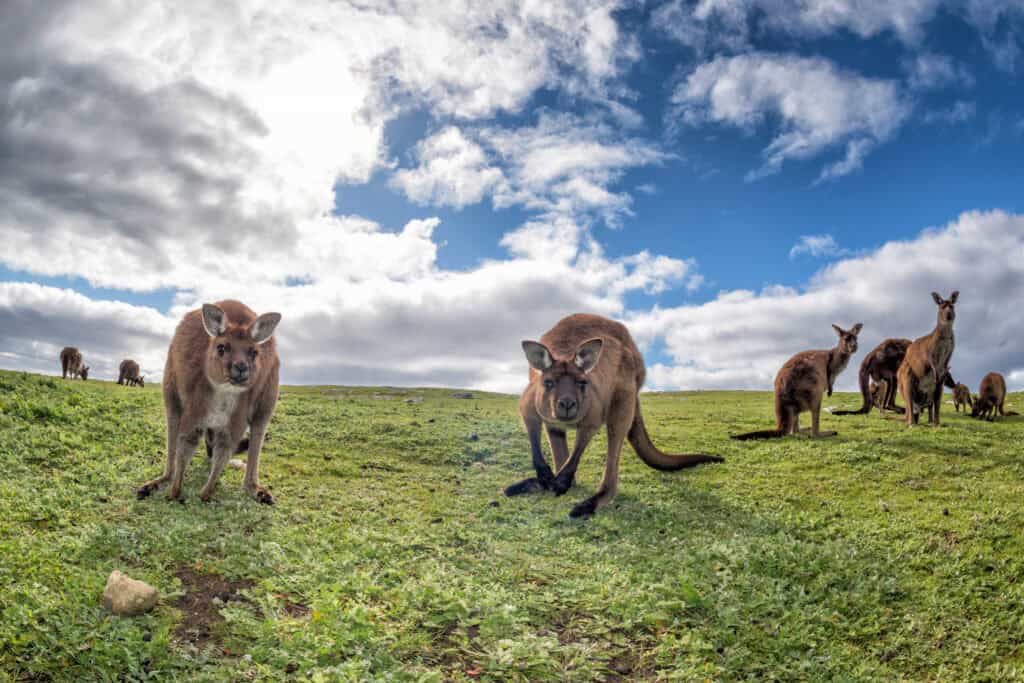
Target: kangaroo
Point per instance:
(586, 372)
(83, 372)
(128, 374)
(880, 365)
(962, 397)
(923, 371)
(878, 392)
(70, 362)
(221, 376)
(800, 383)
(991, 398)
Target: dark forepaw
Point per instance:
(560, 486)
(531, 485)
(264, 497)
(145, 491)
(585, 509)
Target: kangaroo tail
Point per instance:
(763, 434)
(657, 459)
(864, 392)
(1011, 412)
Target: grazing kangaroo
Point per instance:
(991, 398)
(128, 373)
(71, 363)
(221, 376)
(925, 367)
(962, 397)
(880, 365)
(802, 381)
(586, 372)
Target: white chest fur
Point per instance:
(222, 406)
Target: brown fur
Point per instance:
(802, 381)
(925, 367)
(962, 397)
(586, 372)
(880, 365)
(128, 374)
(991, 398)
(71, 364)
(206, 390)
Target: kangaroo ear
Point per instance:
(588, 354)
(937, 298)
(214, 320)
(855, 330)
(263, 328)
(838, 330)
(954, 296)
(537, 355)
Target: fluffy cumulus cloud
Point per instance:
(741, 338)
(816, 246)
(816, 106)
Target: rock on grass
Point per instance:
(128, 597)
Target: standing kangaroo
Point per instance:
(586, 372)
(128, 373)
(221, 376)
(924, 369)
(991, 398)
(880, 365)
(962, 397)
(802, 381)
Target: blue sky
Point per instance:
(430, 172)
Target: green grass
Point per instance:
(881, 554)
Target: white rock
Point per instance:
(127, 597)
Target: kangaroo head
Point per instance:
(232, 353)
(563, 395)
(980, 406)
(848, 338)
(947, 307)
(84, 372)
(141, 380)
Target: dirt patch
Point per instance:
(205, 595)
(293, 608)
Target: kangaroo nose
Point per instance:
(566, 406)
(240, 368)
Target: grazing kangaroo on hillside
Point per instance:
(802, 381)
(925, 367)
(880, 365)
(71, 363)
(221, 376)
(991, 398)
(962, 397)
(586, 372)
(128, 373)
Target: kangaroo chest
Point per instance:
(932, 379)
(221, 407)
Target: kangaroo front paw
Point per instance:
(261, 494)
(585, 509)
(561, 486)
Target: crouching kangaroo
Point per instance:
(586, 372)
(221, 377)
(880, 365)
(925, 368)
(71, 364)
(801, 383)
(128, 374)
(991, 398)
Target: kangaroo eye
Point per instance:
(252, 353)
(582, 383)
(221, 349)
(549, 384)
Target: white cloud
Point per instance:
(959, 112)
(928, 71)
(740, 339)
(452, 171)
(817, 246)
(817, 105)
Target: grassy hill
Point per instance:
(882, 554)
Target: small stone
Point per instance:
(474, 437)
(128, 597)
(478, 466)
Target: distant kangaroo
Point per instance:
(586, 372)
(128, 373)
(925, 367)
(802, 381)
(71, 362)
(221, 376)
(991, 398)
(880, 365)
(962, 397)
